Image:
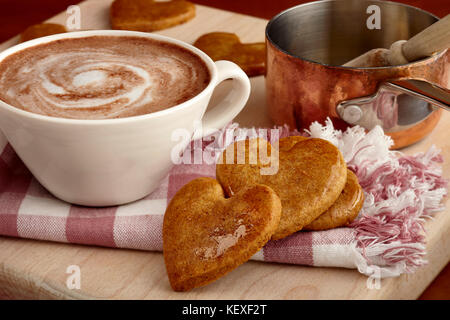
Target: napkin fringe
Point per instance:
(401, 192)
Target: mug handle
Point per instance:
(231, 105)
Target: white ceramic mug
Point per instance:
(114, 161)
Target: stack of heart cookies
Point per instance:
(263, 192)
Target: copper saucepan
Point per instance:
(305, 82)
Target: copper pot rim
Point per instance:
(411, 64)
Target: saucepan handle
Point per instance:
(431, 93)
(428, 80)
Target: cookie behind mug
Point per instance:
(251, 57)
(41, 30)
(149, 15)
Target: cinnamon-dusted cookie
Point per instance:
(251, 57)
(41, 30)
(344, 210)
(311, 175)
(150, 15)
(206, 235)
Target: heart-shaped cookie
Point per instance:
(206, 235)
(344, 210)
(251, 57)
(346, 207)
(149, 15)
(311, 175)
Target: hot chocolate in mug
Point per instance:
(104, 162)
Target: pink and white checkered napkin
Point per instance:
(386, 240)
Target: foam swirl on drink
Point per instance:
(101, 77)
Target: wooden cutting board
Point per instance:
(37, 269)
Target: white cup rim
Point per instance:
(89, 33)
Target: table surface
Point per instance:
(35, 269)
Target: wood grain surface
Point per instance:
(37, 269)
